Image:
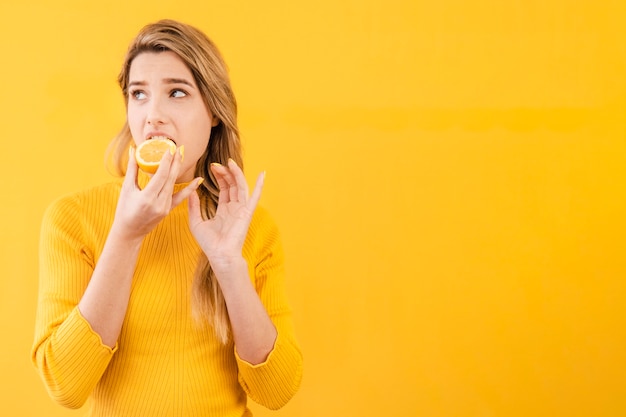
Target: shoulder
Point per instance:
(263, 225)
(263, 235)
(73, 204)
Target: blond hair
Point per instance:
(209, 70)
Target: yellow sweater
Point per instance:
(164, 363)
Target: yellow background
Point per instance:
(448, 177)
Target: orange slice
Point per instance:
(149, 153)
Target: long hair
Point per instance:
(210, 73)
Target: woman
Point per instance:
(151, 307)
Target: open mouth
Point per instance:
(161, 138)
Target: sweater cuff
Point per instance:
(272, 383)
(89, 334)
(75, 361)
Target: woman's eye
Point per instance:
(178, 93)
(138, 95)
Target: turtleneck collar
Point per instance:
(143, 179)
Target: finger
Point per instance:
(219, 171)
(160, 177)
(168, 187)
(232, 182)
(240, 180)
(130, 179)
(180, 196)
(256, 193)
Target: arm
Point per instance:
(82, 304)
(66, 261)
(253, 331)
(269, 360)
(222, 238)
(105, 300)
(274, 382)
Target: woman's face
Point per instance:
(164, 100)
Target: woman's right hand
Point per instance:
(105, 301)
(139, 211)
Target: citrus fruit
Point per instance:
(149, 153)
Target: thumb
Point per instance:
(180, 196)
(193, 205)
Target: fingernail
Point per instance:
(200, 181)
(130, 151)
(232, 160)
(172, 151)
(217, 164)
(181, 150)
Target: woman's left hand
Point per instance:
(222, 237)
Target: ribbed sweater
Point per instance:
(164, 362)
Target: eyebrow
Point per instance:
(165, 80)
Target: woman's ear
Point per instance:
(214, 119)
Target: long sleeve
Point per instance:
(274, 382)
(69, 355)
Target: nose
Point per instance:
(156, 114)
